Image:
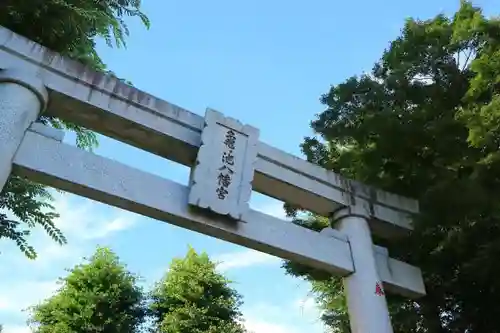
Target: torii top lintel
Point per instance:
(109, 106)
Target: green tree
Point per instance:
(425, 123)
(69, 27)
(193, 297)
(97, 296)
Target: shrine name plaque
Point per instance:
(221, 180)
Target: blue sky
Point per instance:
(265, 63)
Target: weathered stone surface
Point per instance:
(42, 158)
(22, 97)
(47, 161)
(96, 101)
(221, 180)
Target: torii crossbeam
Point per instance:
(227, 162)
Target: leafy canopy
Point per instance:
(425, 123)
(193, 297)
(97, 296)
(69, 27)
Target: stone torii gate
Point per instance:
(227, 160)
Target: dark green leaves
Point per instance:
(426, 123)
(30, 203)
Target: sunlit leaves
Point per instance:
(193, 297)
(426, 123)
(100, 295)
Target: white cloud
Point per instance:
(269, 318)
(259, 326)
(243, 259)
(290, 318)
(83, 222)
(306, 304)
(18, 297)
(308, 309)
(118, 224)
(16, 329)
(266, 311)
(273, 208)
(53, 252)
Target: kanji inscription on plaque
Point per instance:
(221, 180)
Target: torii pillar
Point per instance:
(366, 302)
(23, 97)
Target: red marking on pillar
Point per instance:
(379, 291)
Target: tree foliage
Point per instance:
(425, 123)
(193, 297)
(97, 296)
(69, 27)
